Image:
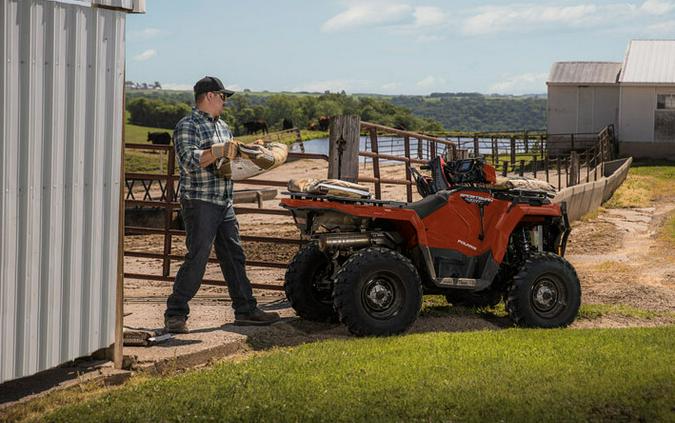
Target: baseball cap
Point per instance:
(209, 84)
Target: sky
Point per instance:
(383, 47)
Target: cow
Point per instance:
(161, 138)
(255, 126)
(286, 124)
(324, 122)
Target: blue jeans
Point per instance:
(208, 224)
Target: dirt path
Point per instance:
(621, 260)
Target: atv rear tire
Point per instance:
(377, 292)
(545, 293)
(309, 266)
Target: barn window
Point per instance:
(665, 101)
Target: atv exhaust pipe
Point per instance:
(343, 241)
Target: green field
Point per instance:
(155, 162)
(509, 375)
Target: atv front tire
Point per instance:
(545, 293)
(309, 297)
(377, 292)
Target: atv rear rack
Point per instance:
(517, 196)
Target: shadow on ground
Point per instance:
(295, 331)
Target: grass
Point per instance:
(286, 138)
(509, 375)
(596, 311)
(668, 228)
(138, 160)
(150, 162)
(643, 185)
(437, 306)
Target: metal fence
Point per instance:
(561, 159)
(167, 201)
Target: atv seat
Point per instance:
(429, 204)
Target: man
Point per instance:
(201, 139)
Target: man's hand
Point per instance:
(229, 150)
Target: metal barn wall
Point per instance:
(638, 105)
(562, 103)
(61, 88)
(574, 109)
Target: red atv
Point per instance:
(370, 261)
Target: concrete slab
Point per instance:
(212, 332)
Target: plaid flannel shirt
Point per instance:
(193, 134)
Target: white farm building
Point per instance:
(636, 96)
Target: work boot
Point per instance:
(256, 318)
(175, 324)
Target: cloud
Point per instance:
(521, 84)
(378, 13)
(426, 16)
(430, 82)
(657, 7)
(145, 34)
(661, 28)
(527, 17)
(368, 14)
(429, 38)
(146, 55)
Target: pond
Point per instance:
(387, 145)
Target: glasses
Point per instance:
(221, 95)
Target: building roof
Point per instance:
(584, 73)
(649, 62)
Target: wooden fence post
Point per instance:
(408, 176)
(476, 146)
(513, 150)
(376, 163)
(343, 148)
(534, 166)
(574, 169)
(495, 151)
(559, 170)
(541, 146)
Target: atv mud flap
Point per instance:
(566, 229)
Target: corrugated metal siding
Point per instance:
(584, 73)
(649, 62)
(61, 86)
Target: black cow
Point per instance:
(286, 124)
(324, 123)
(162, 138)
(256, 126)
